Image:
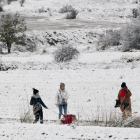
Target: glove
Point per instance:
(39, 104)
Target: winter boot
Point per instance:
(35, 121)
(41, 121)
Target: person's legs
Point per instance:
(122, 108)
(128, 111)
(60, 111)
(36, 117)
(41, 116)
(65, 109)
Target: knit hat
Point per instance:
(35, 91)
(62, 84)
(123, 85)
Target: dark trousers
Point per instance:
(39, 115)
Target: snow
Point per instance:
(91, 9)
(89, 77)
(55, 132)
(92, 81)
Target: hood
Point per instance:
(36, 97)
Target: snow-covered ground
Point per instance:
(91, 80)
(112, 10)
(55, 132)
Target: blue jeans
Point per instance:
(64, 107)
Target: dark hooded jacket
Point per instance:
(37, 101)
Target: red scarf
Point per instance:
(122, 93)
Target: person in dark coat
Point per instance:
(37, 104)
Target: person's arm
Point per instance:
(42, 103)
(129, 94)
(67, 96)
(31, 101)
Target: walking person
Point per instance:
(37, 103)
(124, 97)
(61, 99)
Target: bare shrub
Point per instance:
(26, 112)
(26, 115)
(104, 119)
(132, 122)
(65, 54)
(131, 35)
(110, 38)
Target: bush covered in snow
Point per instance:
(65, 54)
(110, 38)
(1, 5)
(128, 36)
(1, 9)
(9, 1)
(22, 2)
(1, 48)
(72, 14)
(26, 44)
(131, 35)
(135, 12)
(65, 9)
(42, 10)
(6, 67)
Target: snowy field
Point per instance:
(55, 132)
(92, 81)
